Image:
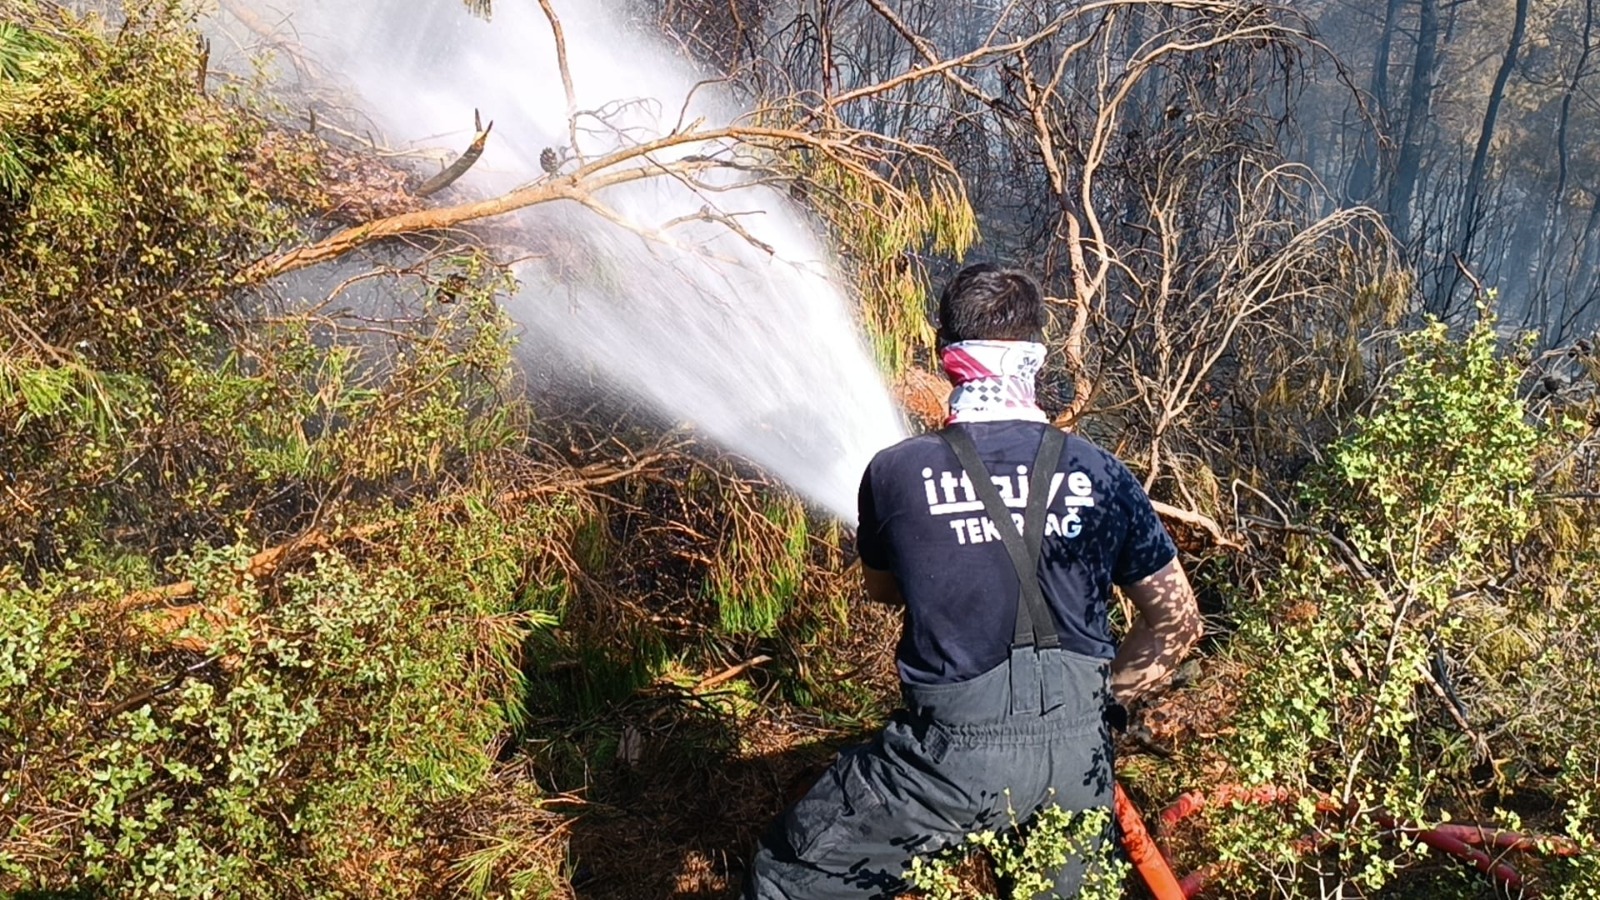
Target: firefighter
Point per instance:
(1001, 537)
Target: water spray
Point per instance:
(714, 300)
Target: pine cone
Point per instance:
(548, 160)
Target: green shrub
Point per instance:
(1026, 855)
(1384, 667)
(760, 567)
(330, 725)
(308, 744)
(123, 214)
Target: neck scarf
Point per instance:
(993, 380)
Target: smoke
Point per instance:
(740, 332)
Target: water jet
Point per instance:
(714, 298)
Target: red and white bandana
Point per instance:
(993, 380)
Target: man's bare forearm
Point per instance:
(1167, 627)
(1145, 661)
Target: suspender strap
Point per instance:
(1035, 625)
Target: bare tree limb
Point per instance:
(458, 168)
(630, 164)
(566, 75)
(731, 673)
(1196, 521)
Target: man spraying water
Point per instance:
(1001, 537)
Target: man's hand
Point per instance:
(882, 586)
(1167, 627)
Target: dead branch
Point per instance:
(245, 16)
(1478, 292)
(979, 55)
(458, 168)
(177, 600)
(1480, 745)
(925, 48)
(731, 673)
(624, 166)
(568, 187)
(588, 478)
(1189, 521)
(260, 566)
(566, 76)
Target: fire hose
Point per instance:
(1466, 842)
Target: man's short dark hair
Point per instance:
(984, 302)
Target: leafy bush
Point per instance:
(123, 212)
(1027, 854)
(1401, 661)
(308, 742)
(324, 725)
(265, 579)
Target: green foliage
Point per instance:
(1579, 877)
(139, 394)
(758, 574)
(1443, 469)
(924, 209)
(123, 212)
(124, 163)
(1026, 855)
(21, 51)
(1375, 649)
(324, 725)
(316, 725)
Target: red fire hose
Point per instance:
(1460, 841)
(1144, 853)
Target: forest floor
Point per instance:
(678, 812)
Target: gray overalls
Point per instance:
(1027, 733)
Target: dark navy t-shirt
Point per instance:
(920, 522)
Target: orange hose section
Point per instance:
(1188, 804)
(1509, 840)
(1502, 874)
(1143, 852)
(1454, 839)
